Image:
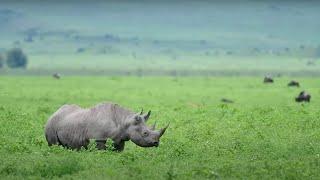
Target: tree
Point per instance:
(1, 61)
(16, 58)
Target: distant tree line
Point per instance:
(14, 58)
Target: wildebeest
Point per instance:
(293, 83)
(56, 76)
(303, 96)
(311, 63)
(268, 79)
(72, 126)
(226, 100)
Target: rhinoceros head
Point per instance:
(141, 134)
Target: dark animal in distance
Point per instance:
(226, 100)
(311, 63)
(293, 83)
(56, 76)
(303, 96)
(72, 126)
(268, 79)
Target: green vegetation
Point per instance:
(187, 65)
(264, 134)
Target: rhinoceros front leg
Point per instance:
(101, 144)
(118, 146)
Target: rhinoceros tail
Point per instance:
(59, 142)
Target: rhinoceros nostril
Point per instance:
(156, 143)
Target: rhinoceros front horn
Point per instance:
(163, 130)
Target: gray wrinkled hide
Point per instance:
(72, 126)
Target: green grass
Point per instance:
(164, 62)
(191, 64)
(263, 135)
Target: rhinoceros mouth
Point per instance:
(149, 145)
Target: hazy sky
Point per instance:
(234, 23)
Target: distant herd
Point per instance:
(73, 127)
(302, 97)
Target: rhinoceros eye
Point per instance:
(145, 134)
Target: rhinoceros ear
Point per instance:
(137, 119)
(146, 116)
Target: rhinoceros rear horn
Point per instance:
(147, 115)
(163, 130)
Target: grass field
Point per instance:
(156, 65)
(263, 135)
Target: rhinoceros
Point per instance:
(72, 126)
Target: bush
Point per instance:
(1, 61)
(16, 58)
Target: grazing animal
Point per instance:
(72, 126)
(303, 96)
(311, 63)
(293, 83)
(56, 76)
(226, 100)
(268, 79)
